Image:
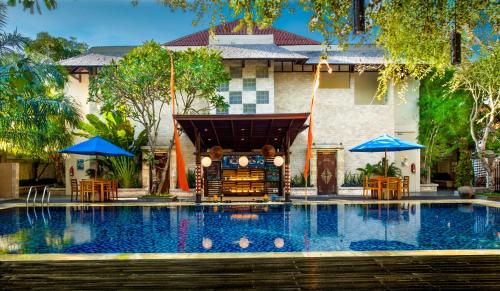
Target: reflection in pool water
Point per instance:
(257, 228)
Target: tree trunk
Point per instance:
(164, 172)
(152, 169)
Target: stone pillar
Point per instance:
(198, 167)
(198, 182)
(287, 181)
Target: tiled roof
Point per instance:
(256, 51)
(366, 55)
(281, 37)
(97, 56)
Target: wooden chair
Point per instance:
(74, 189)
(88, 190)
(111, 190)
(371, 186)
(393, 187)
(406, 186)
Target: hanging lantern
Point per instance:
(216, 152)
(243, 161)
(268, 151)
(456, 48)
(359, 16)
(206, 162)
(278, 161)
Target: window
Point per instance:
(249, 108)
(235, 72)
(224, 87)
(365, 88)
(235, 97)
(261, 72)
(262, 97)
(249, 84)
(335, 80)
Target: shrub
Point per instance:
(299, 180)
(353, 179)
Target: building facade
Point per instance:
(272, 72)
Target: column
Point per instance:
(198, 167)
(287, 169)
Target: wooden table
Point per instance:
(382, 186)
(100, 184)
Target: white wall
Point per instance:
(340, 123)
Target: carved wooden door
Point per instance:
(327, 173)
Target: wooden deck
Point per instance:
(386, 273)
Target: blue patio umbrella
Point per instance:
(96, 146)
(386, 143)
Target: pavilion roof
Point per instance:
(243, 132)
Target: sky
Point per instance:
(117, 22)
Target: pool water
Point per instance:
(256, 228)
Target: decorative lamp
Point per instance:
(216, 152)
(278, 161)
(206, 162)
(207, 243)
(279, 242)
(243, 161)
(244, 242)
(268, 151)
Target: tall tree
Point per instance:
(479, 78)
(35, 116)
(437, 107)
(55, 48)
(198, 75)
(139, 83)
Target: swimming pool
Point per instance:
(248, 228)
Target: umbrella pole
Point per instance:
(96, 168)
(385, 164)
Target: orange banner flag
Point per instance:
(317, 75)
(181, 166)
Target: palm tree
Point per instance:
(9, 42)
(35, 115)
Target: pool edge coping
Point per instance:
(329, 202)
(260, 255)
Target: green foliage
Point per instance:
(34, 5)
(464, 175)
(300, 181)
(198, 75)
(413, 32)
(126, 170)
(116, 128)
(438, 105)
(55, 48)
(353, 179)
(35, 115)
(378, 170)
